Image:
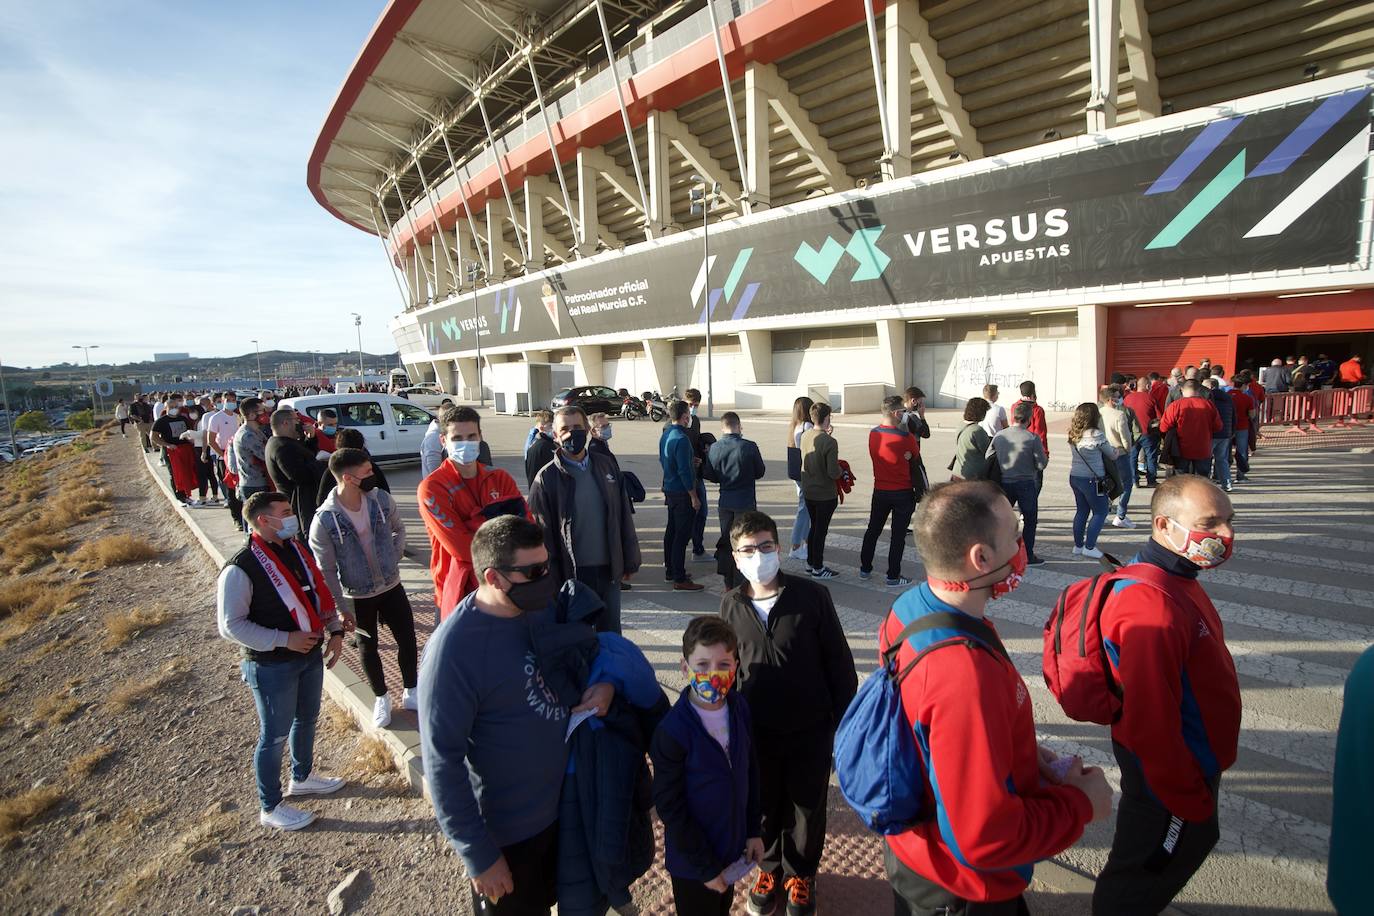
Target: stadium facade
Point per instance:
(941, 193)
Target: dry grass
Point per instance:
(83, 766)
(120, 628)
(370, 758)
(55, 709)
(61, 644)
(76, 503)
(339, 719)
(133, 692)
(25, 602)
(28, 546)
(114, 550)
(17, 810)
(196, 841)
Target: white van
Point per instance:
(392, 427)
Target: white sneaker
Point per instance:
(799, 553)
(1092, 553)
(1122, 521)
(381, 711)
(1077, 551)
(285, 817)
(410, 699)
(196, 503)
(315, 785)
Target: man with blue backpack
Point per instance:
(989, 802)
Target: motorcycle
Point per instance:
(655, 406)
(631, 408)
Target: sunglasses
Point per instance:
(530, 571)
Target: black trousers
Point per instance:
(391, 607)
(205, 471)
(725, 557)
(676, 535)
(1154, 853)
(821, 513)
(794, 783)
(231, 495)
(913, 895)
(693, 898)
(901, 505)
(534, 872)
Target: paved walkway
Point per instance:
(1296, 619)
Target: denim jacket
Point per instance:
(340, 554)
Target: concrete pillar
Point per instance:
(534, 228)
(589, 368)
(466, 368)
(434, 261)
(451, 272)
(498, 249)
(659, 354)
(897, 75)
(756, 118)
(1092, 354)
(1104, 30)
(535, 356)
(892, 353)
(587, 216)
(415, 278)
(660, 207)
(758, 356)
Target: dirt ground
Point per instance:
(126, 768)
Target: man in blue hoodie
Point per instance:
(735, 463)
(680, 492)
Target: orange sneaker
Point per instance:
(763, 898)
(800, 893)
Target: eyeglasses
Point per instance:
(530, 571)
(748, 550)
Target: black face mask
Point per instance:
(368, 484)
(575, 443)
(533, 596)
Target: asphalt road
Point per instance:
(1294, 599)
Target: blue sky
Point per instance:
(153, 181)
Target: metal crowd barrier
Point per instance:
(1301, 411)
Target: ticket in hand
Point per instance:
(738, 870)
(1061, 767)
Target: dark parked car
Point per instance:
(591, 398)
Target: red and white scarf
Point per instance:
(289, 590)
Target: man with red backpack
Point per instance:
(1172, 698)
(997, 801)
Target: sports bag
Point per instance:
(879, 765)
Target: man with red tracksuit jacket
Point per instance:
(1193, 420)
(1037, 426)
(1180, 718)
(999, 804)
(455, 499)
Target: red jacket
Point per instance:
(1351, 372)
(1144, 406)
(996, 818)
(1181, 707)
(1195, 419)
(1159, 390)
(1037, 424)
(1256, 392)
(1244, 404)
(452, 512)
(888, 446)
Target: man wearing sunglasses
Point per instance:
(797, 673)
(498, 684)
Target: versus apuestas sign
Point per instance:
(1270, 190)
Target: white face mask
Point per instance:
(760, 568)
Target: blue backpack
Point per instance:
(880, 767)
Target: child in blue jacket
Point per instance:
(706, 776)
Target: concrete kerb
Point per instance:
(341, 684)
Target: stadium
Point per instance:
(944, 193)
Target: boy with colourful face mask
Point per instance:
(706, 776)
(798, 675)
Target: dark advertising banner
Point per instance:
(1271, 190)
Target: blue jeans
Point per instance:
(676, 535)
(801, 526)
(1085, 529)
(1127, 469)
(1149, 447)
(1025, 494)
(598, 579)
(1221, 461)
(1202, 467)
(699, 521)
(287, 694)
(1243, 451)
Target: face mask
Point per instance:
(1016, 571)
(533, 596)
(712, 686)
(606, 433)
(1202, 548)
(759, 568)
(271, 403)
(288, 527)
(329, 430)
(368, 484)
(692, 410)
(575, 443)
(231, 406)
(464, 452)
(173, 411)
